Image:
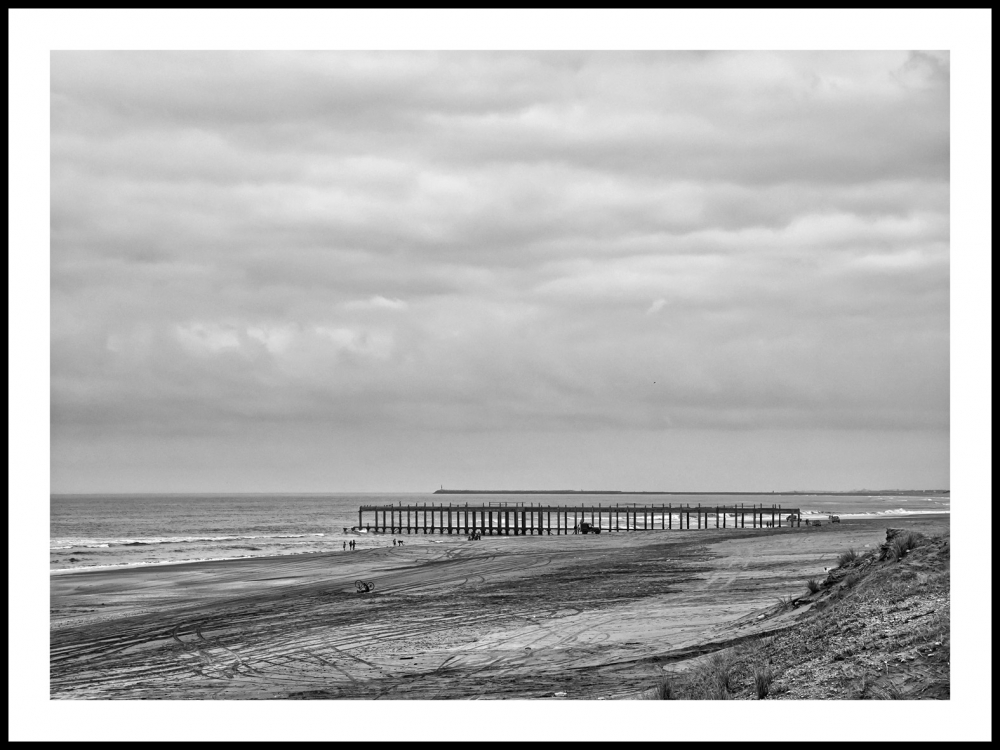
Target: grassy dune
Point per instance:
(876, 628)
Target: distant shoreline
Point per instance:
(856, 493)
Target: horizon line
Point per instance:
(446, 491)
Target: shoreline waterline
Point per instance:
(427, 539)
(126, 531)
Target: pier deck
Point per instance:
(522, 519)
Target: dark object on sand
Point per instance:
(587, 528)
(364, 587)
(834, 519)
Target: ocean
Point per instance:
(89, 531)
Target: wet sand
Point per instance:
(596, 616)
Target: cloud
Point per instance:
(199, 337)
(470, 242)
(657, 305)
(376, 303)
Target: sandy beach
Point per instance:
(571, 617)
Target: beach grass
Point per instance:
(846, 558)
(664, 690)
(901, 544)
(785, 603)
(763, 676)
(880, 632)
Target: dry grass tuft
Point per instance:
(785, 603)
(762, 679)
(846, 558)
(902, 544)
(664, 690)
(718, 676)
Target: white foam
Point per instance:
(897, 513)
(140, 541)
(84, 568)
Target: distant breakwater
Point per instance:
(856, 493)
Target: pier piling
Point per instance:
(517, 519)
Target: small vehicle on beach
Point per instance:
(589, 528)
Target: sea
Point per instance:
(100, 531)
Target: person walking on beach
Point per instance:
(345, 546)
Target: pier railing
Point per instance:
(520, 519)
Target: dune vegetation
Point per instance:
(876, 628)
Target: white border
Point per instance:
(33, 33)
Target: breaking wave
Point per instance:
(80, 568)
(875, 513)
(72, 543)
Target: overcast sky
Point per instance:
(392, 271)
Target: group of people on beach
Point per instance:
(475, 536)
(352, 545)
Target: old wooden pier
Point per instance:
(522, 519)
